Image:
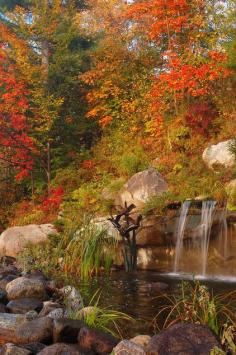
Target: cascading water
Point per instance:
(201, 239)
(223, 238)
(205, 242)
(179, 235)
(208, 208)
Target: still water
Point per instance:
(137, 294)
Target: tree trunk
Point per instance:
(45, 58)
(49, 168)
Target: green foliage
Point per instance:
(116, 185)
(34, 217)
(157, 204)
(227, 341)
(87, 197)
(231, 199)
(91, 248)
(131, 163)
(89, 77)
(45, 257)
(68, 177)
(82, 247)
(233, 146)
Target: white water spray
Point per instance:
(208, 208)
(179, 235)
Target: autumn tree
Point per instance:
(192, 63)
(54, 56)
(119, 76)
(17, 147)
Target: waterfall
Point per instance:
(205, 241)
(223, 239)
(202, 239)
(179, 235)
(208, 208)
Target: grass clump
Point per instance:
(91, 248)
(104, 319)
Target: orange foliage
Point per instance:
(17, 145)
(188, 69)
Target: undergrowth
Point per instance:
(84, 249)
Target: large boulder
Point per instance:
(4, 280)
(151, 232)
(23, 287)
(219, 155)
(13, 240)
(183, 338)
(141, 187)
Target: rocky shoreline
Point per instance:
(35, 319)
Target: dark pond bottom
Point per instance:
(135, 294)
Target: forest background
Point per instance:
(94, 91)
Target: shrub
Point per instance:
(53, 201)
(87, 197)
(46, 257)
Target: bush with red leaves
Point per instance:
(53, 201)
(200, 118)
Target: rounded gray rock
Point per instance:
(23, 287)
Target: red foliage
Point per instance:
(188, 69)
(53, 201)
(200, 118)
(17, 145)
(88, 164)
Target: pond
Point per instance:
(136, 295)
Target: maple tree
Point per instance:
(17, 146)
(189, 66)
